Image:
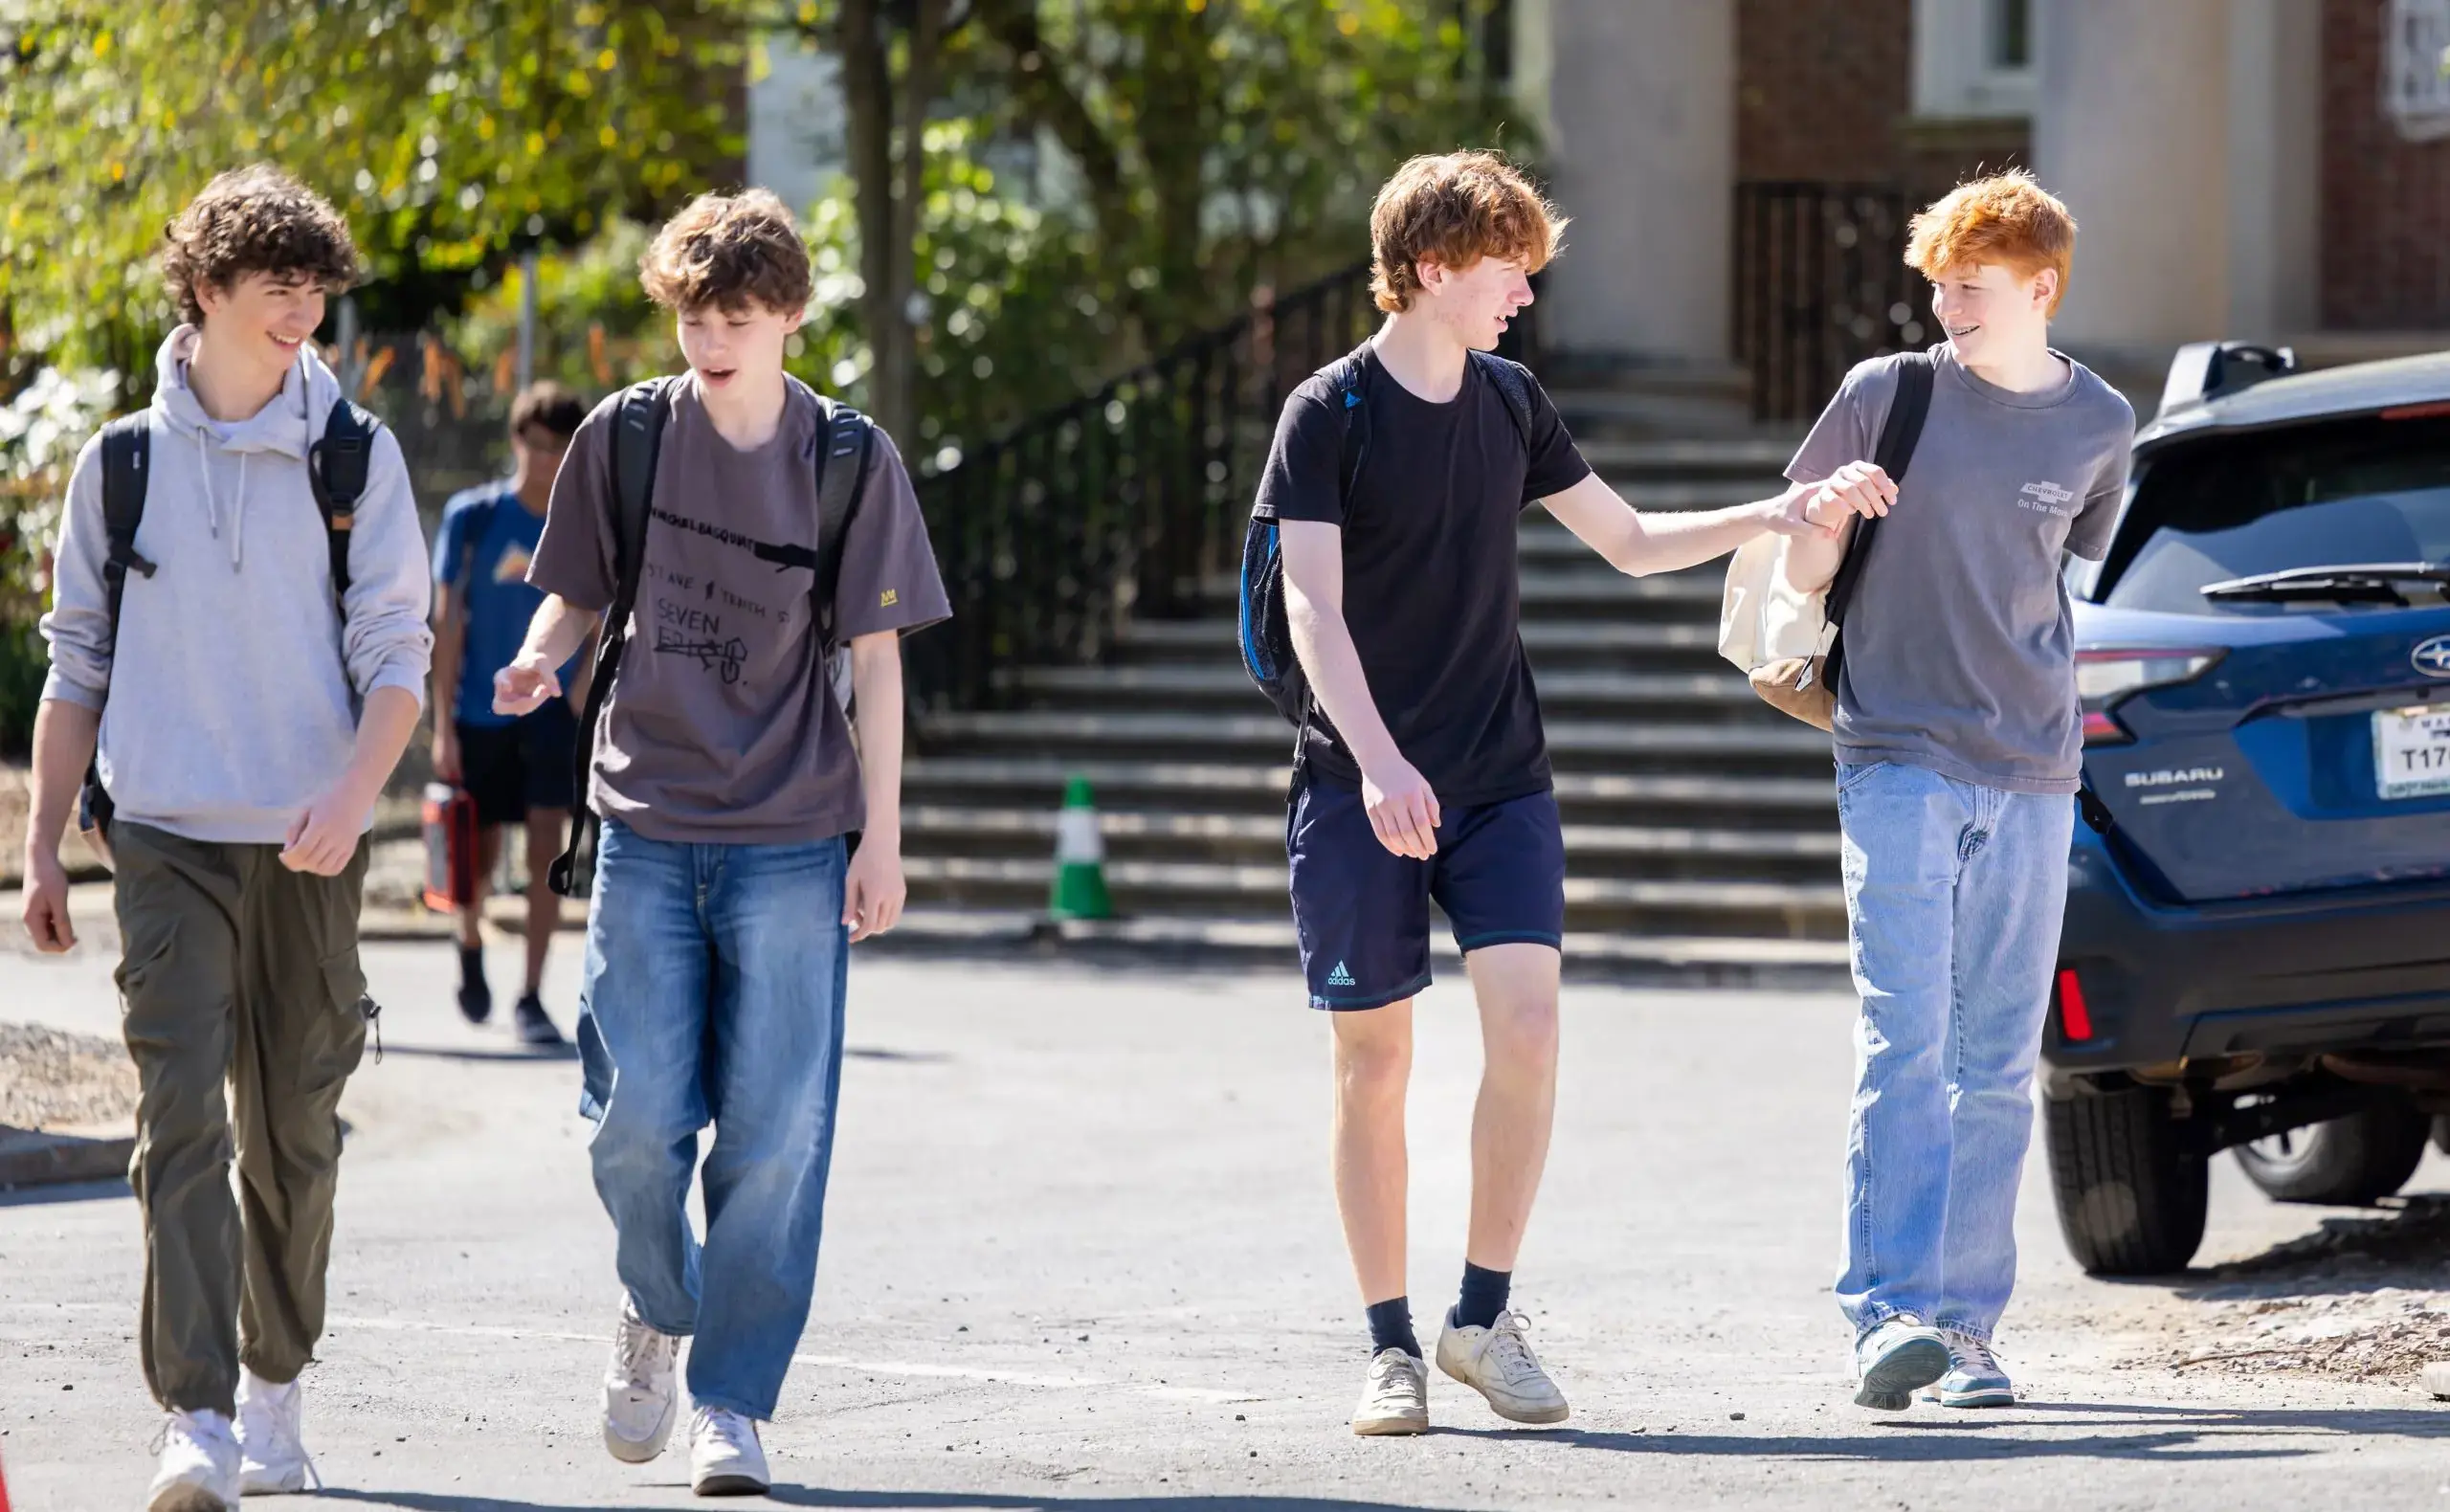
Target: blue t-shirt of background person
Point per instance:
(481, 554)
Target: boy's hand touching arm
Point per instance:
(1638, 544)
(1402, 808)
(323, 838)
(1857, 490)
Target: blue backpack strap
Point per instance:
(1348, 380)
(1513, 383)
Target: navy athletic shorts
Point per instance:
(511, 769)
(1361, 911)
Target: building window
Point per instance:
(1975, 58)
(2415, 68)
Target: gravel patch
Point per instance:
(2359, 1299)
(53, 1080)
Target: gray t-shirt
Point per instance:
(1960, 648)
(723, 725)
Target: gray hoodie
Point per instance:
(233, 697)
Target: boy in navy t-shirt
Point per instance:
(518, 770)
(1423, 774)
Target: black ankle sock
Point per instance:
(1484, 1297)
(472, 966)
(1390, 1327)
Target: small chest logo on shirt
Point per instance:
(511, 567)
(2046, 499)
(888, 598)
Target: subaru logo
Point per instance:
(2432, 657)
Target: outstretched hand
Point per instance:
(1858, 488)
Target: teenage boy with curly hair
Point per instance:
(252, 674)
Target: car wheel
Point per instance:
(2347, 1161)
(2130, 1195)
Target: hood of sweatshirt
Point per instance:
(285, 425)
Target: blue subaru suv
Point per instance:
(2257, 952)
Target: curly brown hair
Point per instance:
(1455, 208)
(729, 251)
(254, 219)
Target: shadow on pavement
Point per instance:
(102, 1190)
(791, 1496)
(551, 1052)
(2182, 1435)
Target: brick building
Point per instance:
(1738, 169)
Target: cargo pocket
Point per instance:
(351, 1013)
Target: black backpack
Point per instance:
(638, 438)
(336, 468)
(1266, 635)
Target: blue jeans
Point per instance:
(714, 995)
(1954, 893)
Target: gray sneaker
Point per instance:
(1896, 1360)
(1975, 1376)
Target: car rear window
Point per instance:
(2325, 495)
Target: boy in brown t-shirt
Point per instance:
(727, 783)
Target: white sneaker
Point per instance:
(1497, 1363)
(1394, 1397)
(199, 1469)
(1896, 1360)
(272, 1442)
(725, 1459)
(641, 1397)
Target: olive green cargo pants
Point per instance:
(236, 973)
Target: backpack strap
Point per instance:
(337, 465)
(1899, 435)
(127, 453)
(847, 434)
(1513, 383)
(638, 439)
(1348, 380)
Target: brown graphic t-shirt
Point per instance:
(724, 726)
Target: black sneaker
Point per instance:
(534, 1027)
(475, 998)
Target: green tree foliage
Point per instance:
(450, 132)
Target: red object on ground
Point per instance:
(450, 853)
(2074, 1021)
(4, 1491)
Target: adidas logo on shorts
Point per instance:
(1340, 977)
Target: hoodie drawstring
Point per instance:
(213, 504)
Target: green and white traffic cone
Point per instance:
(1079, 889)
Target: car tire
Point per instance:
(2130, 1195)
(2346, 1162)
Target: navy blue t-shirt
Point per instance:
(1430, 591)
(484, 547)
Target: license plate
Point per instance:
(2412, 752)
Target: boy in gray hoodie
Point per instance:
(249, 703)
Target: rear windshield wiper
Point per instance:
(2354, 583)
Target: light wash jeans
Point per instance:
(1954, 893)
(714, 995)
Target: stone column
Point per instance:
(1641, 112)
(2184, 134)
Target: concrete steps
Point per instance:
(1699, 825)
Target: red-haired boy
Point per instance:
(1959, 747)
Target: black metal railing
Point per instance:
(1820, 285)
(1122, 504)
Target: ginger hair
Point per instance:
(1455, 208)
(2006, 218)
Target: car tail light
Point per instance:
(2105, 677)
(2075, 1020)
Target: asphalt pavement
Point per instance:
(1082, 1254)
